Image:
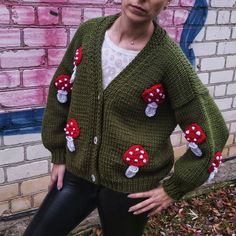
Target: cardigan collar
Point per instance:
(98, 36)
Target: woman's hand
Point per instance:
(57, 175)
(157, 199)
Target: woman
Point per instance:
(110, 135)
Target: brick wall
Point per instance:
(33, 37)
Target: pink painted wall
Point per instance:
(35, 33)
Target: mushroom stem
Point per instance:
(70, 143)
(212, 175)
(62, 96)
(195, 149)
(131, 171)
(151, 109)
(73, 75)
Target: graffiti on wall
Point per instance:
(29, 121)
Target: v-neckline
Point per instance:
(99, 36)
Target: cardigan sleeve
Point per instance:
(55, 113)
(192, 104)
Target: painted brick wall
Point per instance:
(33, 37)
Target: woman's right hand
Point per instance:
(57, 174)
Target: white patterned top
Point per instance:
(114, 59)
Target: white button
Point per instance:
(93, 178)
(95, 140)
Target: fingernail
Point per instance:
(130, 209)
(58, 188)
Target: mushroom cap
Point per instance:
(62, 82)
(194, 133)
(72, 128)
(217, 159)
(155, 93)
(136, 155)
(215, 162)
(78, 56)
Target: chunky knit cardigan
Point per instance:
(120, 137)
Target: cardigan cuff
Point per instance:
(58, 156)
(172, 188)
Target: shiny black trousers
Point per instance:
(62, 210)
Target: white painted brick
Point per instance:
(11, 155)
(223, 17)
(231, 89)
(229, 115)
(211, 90)
(204, 77)
(37, 151)
(234, 103)
(213, 63)
(221, 76)
(232, 127)
(211, 18)
(27, 170)
(217, 32)
(197, 67)
(200, 36)
(224, 103)
(22, 138)
(4, 207)
(234, 33)
(222, 3)
(21, 204)
(231, 61)
(227, 48)
(1, 175)
(8, 191)
(220, 90)
(233, 17)
(203, 49)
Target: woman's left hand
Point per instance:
(157, 199)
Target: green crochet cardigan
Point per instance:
(120, 136)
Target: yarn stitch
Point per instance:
(112, 120)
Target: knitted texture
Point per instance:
(113, 120)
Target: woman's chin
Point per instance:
(136, 18)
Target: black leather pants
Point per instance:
(62, 210)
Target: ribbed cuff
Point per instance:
(58, 156)
(172, 188)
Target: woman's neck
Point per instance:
(124, 31)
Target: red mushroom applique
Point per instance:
(72, 131)
(63, 86)
(195, 135)
(77, 59)
(153, 96)
(213, 169)
(136, 156)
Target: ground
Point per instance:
(210, 211)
